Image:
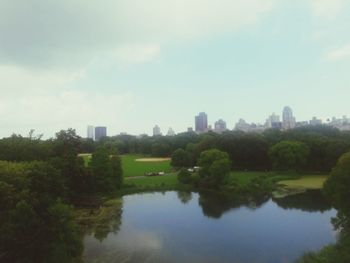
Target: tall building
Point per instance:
(100, 132)
(220, 126)
(315, 121)
(90, 132)
(242, 125)
(273, 122)
(288, 119)
(170, 132)
(201, 122)
(156, 131)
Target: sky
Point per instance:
(131, 64)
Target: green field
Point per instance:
(306, 182)
(168, 180)
(131, 167)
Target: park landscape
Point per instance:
(88, 195)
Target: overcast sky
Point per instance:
(131, 64)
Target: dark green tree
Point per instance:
(215, 166)
(179, 158)
(101, 170)
(116, 171)
(184, 176)
(289, 155)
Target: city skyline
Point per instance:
(126, 64)
(273, 121)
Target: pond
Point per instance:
(192, 227)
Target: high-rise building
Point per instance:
(273, 122)
(288, 119)
(315, 121)
(156, 131)
(90, 132)
(100, 132)
(242, 125)
(201, 122)
(170, 132)
(220, 126)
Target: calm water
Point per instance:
(188, 227)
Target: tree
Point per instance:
(289, 155)
(214, 167)
(184, 176)
(101, 170)
(107, 171)
(116, 171)
(179, 158)
(338, 184)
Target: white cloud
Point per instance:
(340, 53)
(45, 101)
(136, 54)
(66, 34)
(327, 9)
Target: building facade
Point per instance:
(91, 132)
(220, 126)
(156, 131)
(100, 132)
(288, 119)
(201, 122)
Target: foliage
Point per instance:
(215, 167)
(36, 225)
(338, 185)
(184, 176)
(180, 158)
(106, 171)
(289, 155)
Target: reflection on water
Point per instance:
(191, 227)
(311, 201)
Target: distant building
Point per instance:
(315, 121)
(220, 126)
(100, 132)
(90, 132)
(288, 119)
(242, 125)
(276, 125)
(301, 124)
(156, 131)
(342, 124)
(170, 132)
(273, 122)
(189, 129)
(201, 122)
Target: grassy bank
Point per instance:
(307, 182)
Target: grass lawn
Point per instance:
(306, 182)
(165, 180)
(131, 167)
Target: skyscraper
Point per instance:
(288, 119)
(100, 132)
(201, 122)
(273, 121)
(90, 132)
(156, 131)
(170, 132)
(220, 126)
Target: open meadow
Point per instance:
(137, 165)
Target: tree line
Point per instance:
(40, 180)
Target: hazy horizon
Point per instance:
(129, 64)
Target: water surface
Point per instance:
(189, 227)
